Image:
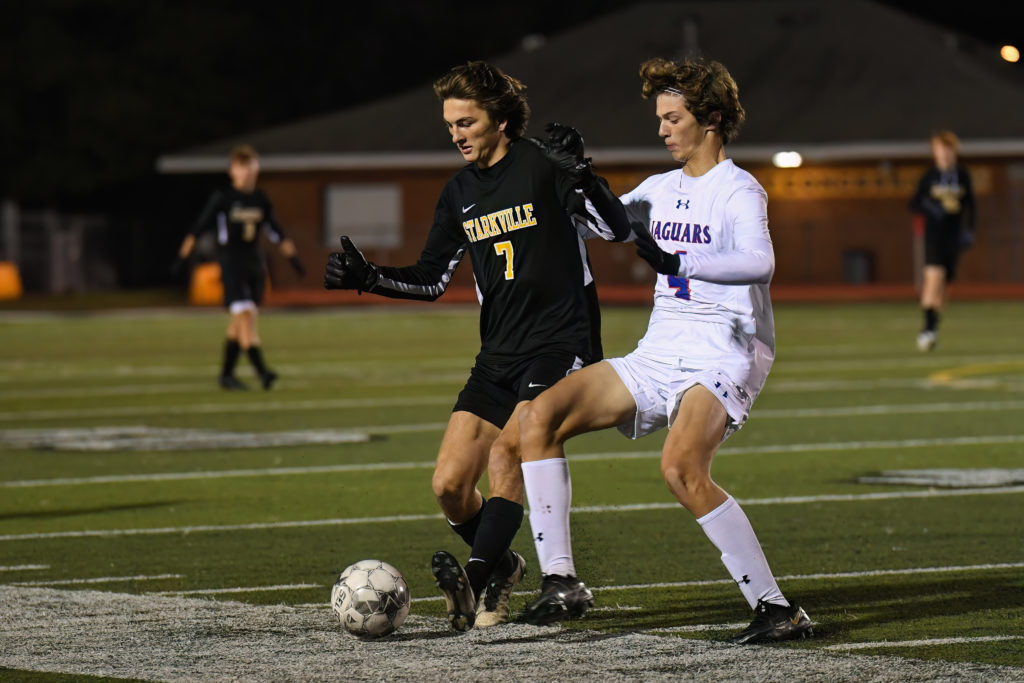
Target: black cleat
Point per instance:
(267, 379)
(451, 579)
(231, 383)
(561, 597)
(773, 623)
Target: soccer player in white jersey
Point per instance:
(708, 348)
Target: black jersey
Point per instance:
(946, 198)
(528, 259)
(238, 217)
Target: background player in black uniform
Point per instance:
(509, 210)
(946, 198)
(238, 214)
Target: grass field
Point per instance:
(126, 471)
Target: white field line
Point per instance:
(919, 643)
(23, 567)
(698, 628)
(644, 586)
(184, 476)
(791, 577)
(785, 386)
(582, 457)
(98, 579)
(780, 386)
(910, 408)
(342, 404)
(243, 589)
(636, 507)
(217, 408)
(795, 366)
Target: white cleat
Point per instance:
(926, 340)
(494, 607)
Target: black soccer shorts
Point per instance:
(494, 389)
(942, 248)
(243, 280)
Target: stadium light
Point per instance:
(1009, 53)
(787, 159)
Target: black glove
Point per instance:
(297, 266)
(349, 269)
(966, 239)
(565, 138)
(648, 250)
(564, 148)
(177, 266)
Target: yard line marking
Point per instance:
(99, 579)
(912, 408)
(23, 567)
(791, 577)
(987, 368)
(249, 589)
(337, 404)
(184, 476)
(697, 628)
(917, 643)
(634, 507)
(580, 457)
(817, 366)
(215, 408)
(113, 390)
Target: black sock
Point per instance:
(231, 351)
(256, 358)
(498, 526)
(931, 319)
(467, 529)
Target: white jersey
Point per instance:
(716, 314)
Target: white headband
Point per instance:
(673, 91)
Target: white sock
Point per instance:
(549, 493)
(729, 529)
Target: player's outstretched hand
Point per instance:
(297, 266)
(349, 269)
(564, 148)
(966, 239)
(565, 138)
(177, 266)
(648, 250)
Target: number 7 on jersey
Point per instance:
(505, 249)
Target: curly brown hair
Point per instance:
(500, 95)
(706, 86)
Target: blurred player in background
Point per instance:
(704, 359)
(509, 209)
(945, 197)
(238, 214)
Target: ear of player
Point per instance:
(349, 269)
(564, 148)
(648, 250)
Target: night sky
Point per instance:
(91, 92)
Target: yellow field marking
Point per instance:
(974, 370)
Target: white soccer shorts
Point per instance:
(658, 383)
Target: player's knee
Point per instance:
(683, 479)
(537, 423)
(451, 487)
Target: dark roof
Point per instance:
(842, 79)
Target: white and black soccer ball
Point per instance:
(371, 598)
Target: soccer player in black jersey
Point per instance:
(509, 210)
(946, 198)
(238, 214)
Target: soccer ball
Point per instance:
(371, 598)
